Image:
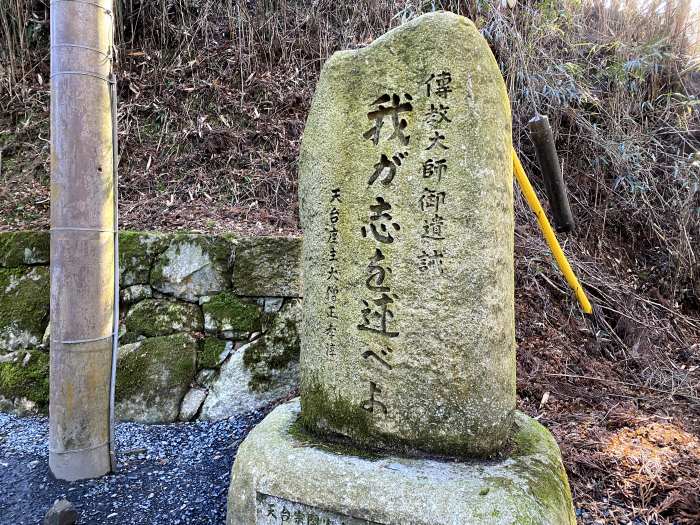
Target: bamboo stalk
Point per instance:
(82, 243)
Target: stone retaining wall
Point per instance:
(208, 324)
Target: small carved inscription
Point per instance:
(271, 510)
(333, 275)
(433, 202)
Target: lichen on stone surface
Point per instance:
(24, 307)
(346, 448)
(193, 265)
(232, 390)
(137, 252)
(156, 317)
(135, 293)
(321, 413)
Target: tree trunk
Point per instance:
(82, 238)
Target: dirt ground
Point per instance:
(632, 451)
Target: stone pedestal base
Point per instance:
(283, 476)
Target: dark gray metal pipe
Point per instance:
(542, 138)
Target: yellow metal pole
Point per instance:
(549, 236)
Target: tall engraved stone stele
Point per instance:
(408, 348)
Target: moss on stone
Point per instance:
(220, 247)
(319, 407)
(154, 356)
(547, 479)
(24, 307)
(287, 342)
(347, 481)
(156, 317)
(30, 381)
(256, 361)
(226, 312)
(336, 419)
(128, 338)
(24, 248)
(535, 469)
(264, 357)
(153, 377)
(268, 266)
(130, 373)
(299, 433)
(137, 253)
(276, 350)
(211, 349)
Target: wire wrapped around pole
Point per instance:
(83, 228)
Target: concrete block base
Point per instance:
(283, 476)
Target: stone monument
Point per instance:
(407, 411)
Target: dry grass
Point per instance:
(213, 97)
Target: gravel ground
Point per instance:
(167, 474)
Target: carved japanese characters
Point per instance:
(406, 206)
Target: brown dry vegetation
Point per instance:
(213, 97)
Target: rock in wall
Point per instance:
(208, 324)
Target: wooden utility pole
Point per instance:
(82, 238)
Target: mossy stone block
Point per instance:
(137, 253)
(24, 248)
(153, 377)
(406, 203)
(268, 267)
(226, 314)
(275, 358)
(282, 466)
(27, 378)
(24, 307)
(193, 266)
(212, 352)
(156, 317)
